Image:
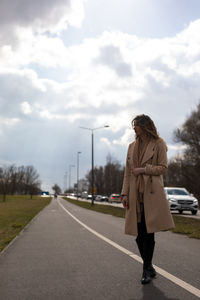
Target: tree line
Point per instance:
(19, 180)
(107, 179)
(183, 170)
(57, 190)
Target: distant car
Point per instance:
(44, 194)
(180, 199)
(104, 198)
(89, 197)
(98, 198)
(84, 195)
(114, 198)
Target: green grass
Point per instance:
(15, 213)
(188, 226)
(183, 225)
(106, 209)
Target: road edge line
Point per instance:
(186, 286)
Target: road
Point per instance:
(68, 252)
(184, 214)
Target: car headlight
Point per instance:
(172, 200)
(195, 201)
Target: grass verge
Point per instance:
(183, 225)
(15, 213)
(188, 226)
(106, 209)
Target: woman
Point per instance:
(143, 195)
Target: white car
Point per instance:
(98, 198)
(114, 198)
(180, 199)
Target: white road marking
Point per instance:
(188, 287)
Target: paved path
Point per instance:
(56, 257)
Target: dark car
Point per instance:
(104, 198)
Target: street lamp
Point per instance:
(92, 131)
(78, 171)
(70, 166)
(65, 182)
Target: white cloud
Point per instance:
(175, 150)
(26, 27)
(151, 65)
(177, 147)
(8, 121)
(107, 80)
(26, 108)
(99, 91)
(125, 139)
(41, 16)
(111, 57)
(106, 141)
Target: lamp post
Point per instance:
(92, 135)
(70, 166)
(65, 182)
(78, 171)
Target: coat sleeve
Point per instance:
(161, 163)
(127, 174)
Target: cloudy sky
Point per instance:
(71, 63)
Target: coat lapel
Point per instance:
(149, 151)
(131, 152)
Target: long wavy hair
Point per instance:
(147, 125)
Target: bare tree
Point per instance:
(31, 180)
(56, 189)
(7, 174)
(107, 179)
(184, 170)
(21, 180)
(189, 134)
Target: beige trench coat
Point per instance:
(156, 208)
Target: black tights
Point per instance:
(145, 242)
(142, 231)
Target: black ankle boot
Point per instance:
(148, 255)
(152, 271)
(146, 278)
(146, 275)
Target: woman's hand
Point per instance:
(125, 202)
(138, 171)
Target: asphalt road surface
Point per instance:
(68, 252)
(174, 212)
